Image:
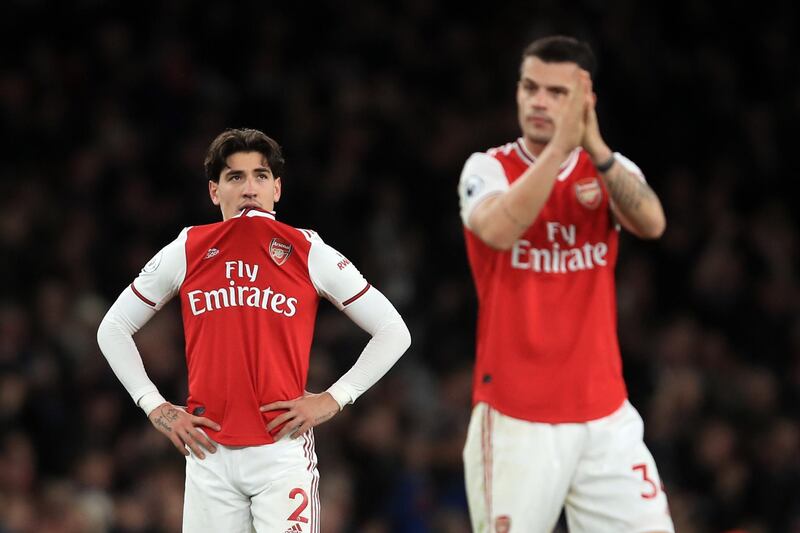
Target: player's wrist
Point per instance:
(339, 394)
(601, 155)
(150, 401)
(604, 165)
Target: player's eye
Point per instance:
(263, 176)
(234, 177)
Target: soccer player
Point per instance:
(551, 424)
(249, 287)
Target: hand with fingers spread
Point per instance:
(301, 413)
(181, 428)
(570, 122)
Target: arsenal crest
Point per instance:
(279, 251)
(589, 192)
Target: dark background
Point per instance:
(105, 116)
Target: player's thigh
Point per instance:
(211, 503)
(291, 500)
(616, 485)
(517, 472)
(475, 468)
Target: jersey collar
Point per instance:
(564, 170)
(255, 212)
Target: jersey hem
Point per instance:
(242, 440)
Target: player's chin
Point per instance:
(538, 136)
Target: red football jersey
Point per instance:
(249, 289)
(547, 347)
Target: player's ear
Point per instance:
(276, 195)
(212, 191)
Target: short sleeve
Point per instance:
(630, 165)
(482, 177)
(163, 275)
(335, 278)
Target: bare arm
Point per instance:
(635, 204)
(500, 220)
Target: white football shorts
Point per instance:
(520, 474)
(266, 489)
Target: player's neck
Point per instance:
(535, 148)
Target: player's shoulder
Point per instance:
(308, 234)
(502, 150)
(621, 159)
(513, 150)
(486, 165)
(299, 236)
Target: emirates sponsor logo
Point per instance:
(279, 251)
(558, 260)
(563, 255)
(239, 293)
(589, 192)
(241, 296)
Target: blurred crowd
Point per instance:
(105, 120)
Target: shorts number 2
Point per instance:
(295, 516)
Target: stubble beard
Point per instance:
(538, 137)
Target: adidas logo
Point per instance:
(294, 529)
(211, 253)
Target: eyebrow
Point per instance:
(257, 170)
(524, 79)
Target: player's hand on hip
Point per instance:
(301, 413)
(571, 119)
(182, 429)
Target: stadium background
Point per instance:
(105, 117)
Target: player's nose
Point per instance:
(537, 100)
(249, 189)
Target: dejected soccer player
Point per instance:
(249, 288)
(551, 425)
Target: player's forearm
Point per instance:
(378, 356)
(504, 218)
(635, 203)
(390, 339)
(115, 338)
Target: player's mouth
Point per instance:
(250, 205)
(539, 122)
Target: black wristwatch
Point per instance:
(606, 165)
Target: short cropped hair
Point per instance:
(562, 49)
(232, 141)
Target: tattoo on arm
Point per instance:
(160, 422)
(627, 190)
(170, 413)
(324, 417)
